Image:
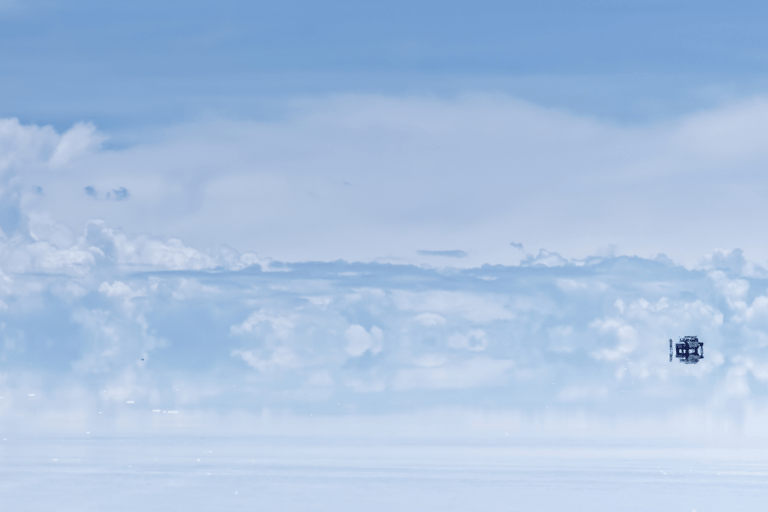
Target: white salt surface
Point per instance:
(280, 474)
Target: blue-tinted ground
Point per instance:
(189, 473)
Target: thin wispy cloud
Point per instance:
(454, 253)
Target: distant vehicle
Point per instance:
(688, 350)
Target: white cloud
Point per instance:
(360, 341)
(429, 319)
(733, 289)
(470, 306)
(282, 326)
(472, 373)
(118, 289)
(143, 251)
(25, 147)
(474, 340)
(626, 336)
(280, 358)
(82, 138)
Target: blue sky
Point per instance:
(143, 63)
(394, 206)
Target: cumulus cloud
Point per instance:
(25, 147)
(172, 332)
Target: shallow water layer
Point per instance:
(283, 474)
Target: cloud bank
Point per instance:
(116, 291)
(412, 180)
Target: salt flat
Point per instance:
(191, 473)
